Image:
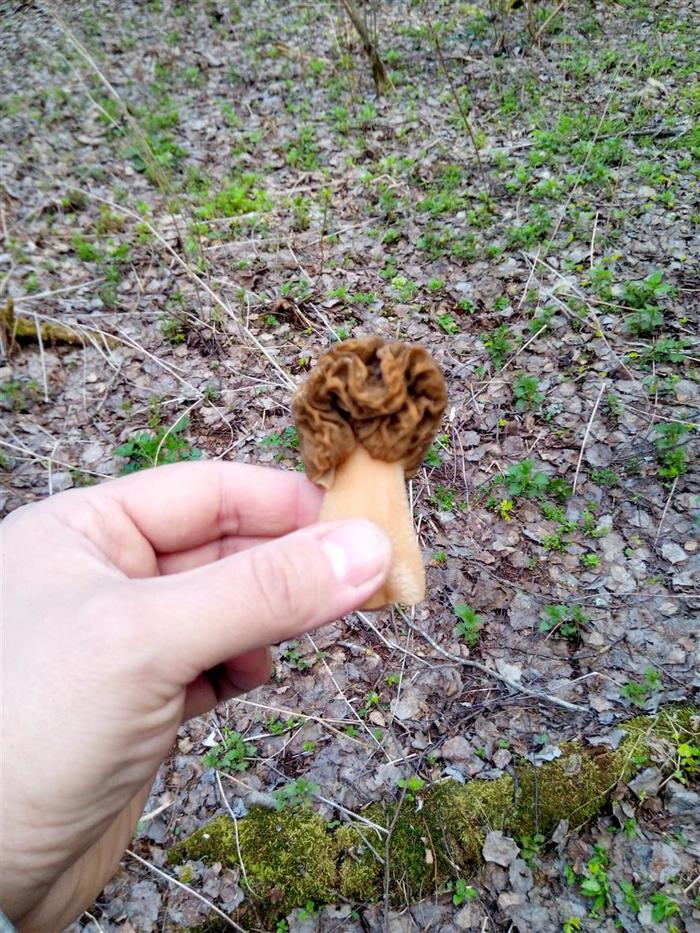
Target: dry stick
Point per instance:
(387, 857)
(200, 897)
(549, 19)
(692, 884)
(37, 296)
(460, 107)
(596, 327)
(86, 913)
(585, 436)
(160, 177)
(235, 827)
(212, 294)
(379, 73)
(666, 507)
(202, 284)
(338, 688)
(545, 697)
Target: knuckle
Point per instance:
(281, 583)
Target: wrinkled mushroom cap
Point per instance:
(387, 396)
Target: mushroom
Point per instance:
(366, 416)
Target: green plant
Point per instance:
(18, 394)
(86, 251)
(371, 700)
(447, 323)
(498, 345)
(669, 450)
(555, 542)
(630, 894)
(308, 910)
(405, 288)
(595, 882)
(230, 754)
(563, 621)
(284, 442)
(412, 785)
(531, 847)
(303, 151)
(469, 625)
(526, 390)
(149, 449)
(663, 350)
(433, 457)
(463, 892)
(290, 654)
(571, 925)
(522, 479)
(238, 196)
(296, 794)
(663, 907)
(277, 726)
(590, 561)
(645, 321)
(639, 692)
(686, 762)
(444, 498)
(173, 329)
(604, 477)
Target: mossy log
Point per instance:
(293, 856)
(15, 329)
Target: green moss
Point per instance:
(573, 788)
(292, 857)
(469, 811)
(360, 874)
(289, 856)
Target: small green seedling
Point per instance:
(563, 621)
(463, 892)
(639, 692)
(296, 794)
(149, 449)
(411, 784)
(469, 625)
(526, 390)
(230, 754)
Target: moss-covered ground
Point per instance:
(294, 856)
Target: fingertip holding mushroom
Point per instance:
(366, 416)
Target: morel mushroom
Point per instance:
(366, 417)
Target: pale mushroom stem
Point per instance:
(367, 488)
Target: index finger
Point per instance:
(185, 505)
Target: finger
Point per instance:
(206, 553)
(185, 505)
(226, 681)
(267, 594)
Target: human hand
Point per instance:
(127, 608)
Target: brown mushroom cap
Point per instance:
(386, 395)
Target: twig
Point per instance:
(585, 436)
(86, 913)
(549, 19)
(387, 858)
(544, 697)
(692, 884)
(666, 507)
(460, 107)
(235, 828)
(200, 897)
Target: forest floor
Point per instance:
(207, 194)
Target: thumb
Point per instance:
(266, 594)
